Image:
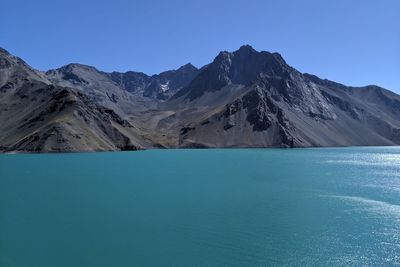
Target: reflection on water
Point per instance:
(375, 207)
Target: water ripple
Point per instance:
(375, 206)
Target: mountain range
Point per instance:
(245, 98)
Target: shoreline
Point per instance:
(19, 152)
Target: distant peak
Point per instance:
(72, 66)
(188, 66)
(245, 51)
(247, 48)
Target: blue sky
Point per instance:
(353, 42)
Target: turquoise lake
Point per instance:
(217, 207)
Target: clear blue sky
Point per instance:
(353, 42)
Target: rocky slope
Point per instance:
(244, 98)
(38, 115)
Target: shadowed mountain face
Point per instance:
(169, 82)
(244, 98)
(160, 86)
(240, 67)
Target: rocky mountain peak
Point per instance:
(222, 57)
(7, 59)
(246, 49)
(3, 52)
(77, 67)
(167, 83)
(188, 66)
(241, 67)
(13, 67)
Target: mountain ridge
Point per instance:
(244, 98)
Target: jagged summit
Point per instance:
(246, 49)
(188, 66)
(240, 67)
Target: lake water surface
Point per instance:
(232, 207)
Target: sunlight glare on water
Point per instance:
(231, 207)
